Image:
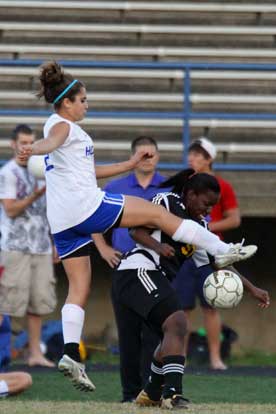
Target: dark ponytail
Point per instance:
(53, 81)
(187, 180)
(177, 181)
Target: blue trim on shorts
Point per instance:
(189, 282)
(106, 215)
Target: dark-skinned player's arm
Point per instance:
(142, 235)
(260, 294)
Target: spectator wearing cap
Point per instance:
(189, 281)
(225, 215)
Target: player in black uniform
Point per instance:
(141, 283)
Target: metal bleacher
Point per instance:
(54, 30)
(146, 31)
(172, 121)
(16, 51)
(164, 31)
(259, 10)
(132, 55)
(115, 100)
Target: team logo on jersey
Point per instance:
(188, 250)
(89, 150)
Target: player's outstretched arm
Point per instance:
(57, 136)
(261, 295)
(109, 170)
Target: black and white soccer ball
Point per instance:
(223, 289)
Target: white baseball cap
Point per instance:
(207, 145)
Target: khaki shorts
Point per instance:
(27, 284)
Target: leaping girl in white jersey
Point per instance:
(77, 207)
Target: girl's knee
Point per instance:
(17, 381)
(23, 380)
(78, 294)
(159, 214)
(26, 380)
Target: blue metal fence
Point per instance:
(186, 114)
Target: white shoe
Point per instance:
(236, 253)
(76, 371)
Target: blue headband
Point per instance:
(65, 90)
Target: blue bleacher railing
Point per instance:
(186, 114)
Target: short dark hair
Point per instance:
(21, 129)
(143, 140)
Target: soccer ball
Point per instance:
(36, 166)
(223, 289)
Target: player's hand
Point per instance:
(111, 256)
(140, 155)
(25, 152)
(165, 250)
(262, 296)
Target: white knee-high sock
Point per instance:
(193, 233)
(72, 322)
(4, 389)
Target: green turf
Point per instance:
(199, 388)
(253, 358)
(246, 358)
(92, 407)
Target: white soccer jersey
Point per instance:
(72, 192)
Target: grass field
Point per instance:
(221, 394)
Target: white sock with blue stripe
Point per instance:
(4, 389)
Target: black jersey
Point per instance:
(141, 257)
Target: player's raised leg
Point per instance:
(138, 212)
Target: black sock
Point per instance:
(72, 350)
(156, 380)
(173, 369)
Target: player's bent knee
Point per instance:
(17, 381)
(78, 295)
(28, 381)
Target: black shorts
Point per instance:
(148, 293)
(85, 250)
